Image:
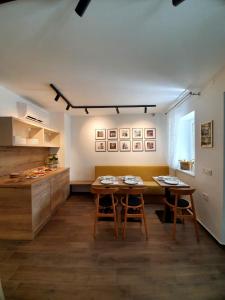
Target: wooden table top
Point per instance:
(162, 183)
(118, 183)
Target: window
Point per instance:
(186, 138)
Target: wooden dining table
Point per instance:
(117, 182)
(168, 217)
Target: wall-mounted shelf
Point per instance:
(17, 132)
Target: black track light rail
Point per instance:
(86, 107)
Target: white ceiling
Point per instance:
(120, 52)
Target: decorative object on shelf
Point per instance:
(112, 134)
(207, 134)
(100, 134)
(100, 146)
(150, 133)
(150, 145)
(186, 165)
(137, 146)
(125, 146)
(124, 133)
(137, 133)
(112, 146)
(52, 161)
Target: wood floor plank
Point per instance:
(64, 262)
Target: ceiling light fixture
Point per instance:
(81, 7)
(146, 110)
(86, 110)
(177, 2)
(57, 97)
(86, 107)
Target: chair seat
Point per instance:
(105, 201)
(181, 203)
(133, 201)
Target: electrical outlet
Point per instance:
(205, 197)
(207, 172)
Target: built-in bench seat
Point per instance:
(145, 172)
(77, 186)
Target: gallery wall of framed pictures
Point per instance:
(125, 140)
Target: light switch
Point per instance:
(207, 172)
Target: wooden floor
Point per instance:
(64, 262)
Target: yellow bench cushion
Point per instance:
(145, 172)
(153, 188)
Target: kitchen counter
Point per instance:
(26, 205)
(6, 181)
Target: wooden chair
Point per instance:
(105, 206)
(133, 207)
(182, 208)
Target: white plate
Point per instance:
(108, 177)
(106, 181)
(172, 182)
(131, 181)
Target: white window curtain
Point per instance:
(173, 119)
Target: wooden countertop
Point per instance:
(6, 182)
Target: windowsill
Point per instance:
(191, 173)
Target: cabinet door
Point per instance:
(59, 189)
(41, 203)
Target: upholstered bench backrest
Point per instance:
(145, 172)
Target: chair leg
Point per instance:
(125, 224)
(174, 222)
(115, 221)
(145, 223)
(96, 216)
(195, 220)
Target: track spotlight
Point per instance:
(177, 2)
(145, 110)
(86, 110)
(81, 7)
(57, 97)
(68, 106)
(117, 110)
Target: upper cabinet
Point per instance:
(16, 132)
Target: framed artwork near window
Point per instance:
(137, 133)
(125, 146)
(112, 134)
(137, 146)
(124, 133)
(150, 133)
(112, 146)
(207, 134)
(100, 146)
(150, 145)
(100, 134)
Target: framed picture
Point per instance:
(137, 146)
(112, 134)
(150, 145)
(112, 146)
(125, 146)
(137, 133)
(100, 134)
(100, 146)
(150, 133)
(124, 133)
(207, 135)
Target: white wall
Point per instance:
(84, 157)
(8, 105)
(209, 106)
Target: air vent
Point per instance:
(34, 119)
